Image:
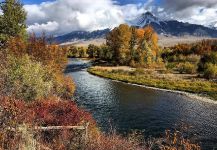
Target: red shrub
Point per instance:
(50, 112)
(53, 112)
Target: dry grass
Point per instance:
(163, 41)
(160, 80)
(173, 40)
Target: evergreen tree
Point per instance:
(12, 20)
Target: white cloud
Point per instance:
(193, 11)
(64, 16)
(50, 27)
(71, 15)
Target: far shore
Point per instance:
(196, 96)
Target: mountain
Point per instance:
(81, 35)
(172, 27)
(213, 25)
(144, 19)
(162, 27)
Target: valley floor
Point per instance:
(163, 41)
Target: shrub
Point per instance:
(132, 63)
(170, 66)
(25, 79)
(63, 86)
(139, 71)
(55, 112)
(208, 58)
(193, 58)
(39, 50)
(45, 112)
(187, 68)
(210, 71)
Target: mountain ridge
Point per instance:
(162, 27)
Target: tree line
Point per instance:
(125, 45)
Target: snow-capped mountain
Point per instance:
(213, 25)
(169, 27)
(144, 19)
(172, 27)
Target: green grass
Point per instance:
(197, 86)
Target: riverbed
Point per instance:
(128, 107)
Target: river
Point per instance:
(128, 107)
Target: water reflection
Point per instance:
(132, 107)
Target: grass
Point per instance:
(196, 86)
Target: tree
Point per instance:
(50, 55)
(207, 58)
(133, 43)
(144, 53)
(73, 52)
(152, 39)
(82, 52)
(12, 21)
(105, 53)
(93, 51)
(130, 46)
(118, 41)
(148, 46)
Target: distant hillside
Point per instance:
(81, 35)
(172, 27)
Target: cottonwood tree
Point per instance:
(93, 51)
(118, 41)
(130, 45)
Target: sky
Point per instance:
(121, 2)
(59, 17)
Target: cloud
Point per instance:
(192, 11)
(70, 15)
(50, 27)
(179, 5)
(131, 11)
(63, 16)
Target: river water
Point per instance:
(128, 107)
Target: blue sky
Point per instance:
(32, 1)
(122, 2)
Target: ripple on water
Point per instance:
(129, 107)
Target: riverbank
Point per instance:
(194, 88)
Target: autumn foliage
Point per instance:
(38, 48)
(129, 45)
(49, 59)
(199, 48)
(199, 57)
(45, 112)
(125, 45)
